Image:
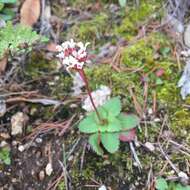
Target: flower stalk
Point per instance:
(84, 78)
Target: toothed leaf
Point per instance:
(114, 125)
(128, 121)
(93, 141)
(88, 125)
(110, 141)
(113, 106)
(161, 184)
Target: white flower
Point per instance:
(99, 96)
(72, 54)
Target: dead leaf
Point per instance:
(30, 12)
(3, 64)
(129, 136)
(52, 47)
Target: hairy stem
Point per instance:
(84, 78)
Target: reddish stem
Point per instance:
(84, 78)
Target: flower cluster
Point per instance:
(73, 55)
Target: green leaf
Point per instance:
(1, 6)
(103, 113)
(161, 184)
(165, 51)
(6, 17)
(159, 81)
(93, 141)
(114, 125)
(180, 187)
(88, 125)
(5, 156)
(123, 3)
(8, 11)
(113, 106)
(110, 141)
(8, 1)
(128, 121)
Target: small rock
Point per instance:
(3, 144)
(14, 180)
(149, 146)
(185, 53)
(32, 172)
(18, 121)
(2, 107)
(14, 143)
(49, 169)
(103, 187)
(70, 158)
(5, 135)
(150, 111)
(21, 148)
(135, 164)
(39, 140)
(156, 120)
(183, 175)
(41, 175)
(187, 36)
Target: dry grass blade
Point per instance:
(45, 128)
(30, 12)
(136, 103)
(3, 64)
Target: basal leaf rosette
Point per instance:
(115, 126)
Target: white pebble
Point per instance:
(49, 169)
(3, 144)
(183, 175)
(103, 187)
(17, 123)
(149, 146)
(38, 140)
(21, 148)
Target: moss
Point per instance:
(61, 186)
(91, 30)
(130, 24)
(37, 65)
(139, 55)
(181, 123)
(61, 85)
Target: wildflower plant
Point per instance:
(106, 125)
